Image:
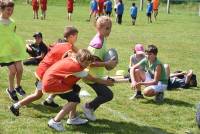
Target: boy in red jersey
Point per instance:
(35, 5)
(61, 77)
(70, 7)
(43, 5)
(56, 53)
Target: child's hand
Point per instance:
(110, 64)
(109, 82)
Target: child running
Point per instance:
(98, 48)
(12, 50)
(60, 78)
(56, 53)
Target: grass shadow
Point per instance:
(170, 102)
(44, 109)
(116, 127)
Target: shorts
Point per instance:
(6, 64)
(38, 84)
(149, 14)
(134, 17)
(160, 87)
(70, 11)
(71, 96)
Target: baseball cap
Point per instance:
(37, 34)
(139, 49)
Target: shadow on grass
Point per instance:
(116, 127)
(170, 102)
(44, 109)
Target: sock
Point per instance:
(49, 99)
(17, 105)
(139, 93)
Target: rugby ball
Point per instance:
(111, 54)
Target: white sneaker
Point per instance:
(76, 121)
(56, 125)
(89, 113)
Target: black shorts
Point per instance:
(149, 14)
(108, 13)
(70, 11)
(6, 64)
(72, 96)
(134, 17)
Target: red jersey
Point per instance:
(54, 55)
(155, 4)
(35, 5)
(70, 5)
(101, 5)
(59, 77)
(43, 5)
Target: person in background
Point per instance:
(35, 6)
(70, 8)
(43, 5)
(149, 10)
(120, 11)
(133, 12)
(108, 7)
(36, 50)
(155, 8)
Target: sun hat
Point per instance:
(139, 49)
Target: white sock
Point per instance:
(17, 105)
(49, 99)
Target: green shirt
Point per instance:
(12, 46)
(150, 68)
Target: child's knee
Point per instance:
(148, 92)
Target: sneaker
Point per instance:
(55, 125)
(159, 97)
(76, 121)
(20, 91)
(14, 110)
(89, 113)
(12, 95)
(136, 96)
(51, 104)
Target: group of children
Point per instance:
(152, 7)
(146, 69)
(59, 71)
(43, 5)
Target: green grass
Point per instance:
(177, 36)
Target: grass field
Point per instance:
(177, 37)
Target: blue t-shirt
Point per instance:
(108, 5)
(120, 8)
(93, 5)
(149, 7)
(133, 11)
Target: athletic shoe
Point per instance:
(159, 97)
(20, 91)
(15, 111)
(136, 96)
(55, 125)
(89, 113)
(52, 104)
(12, 95)
(76, 121)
